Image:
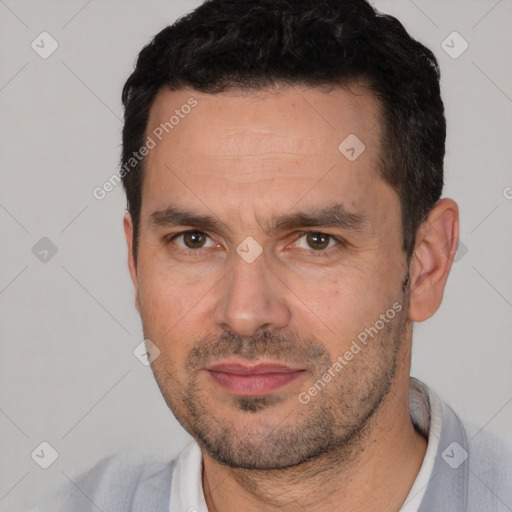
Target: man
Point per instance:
(283, 164)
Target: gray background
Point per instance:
(68, 375)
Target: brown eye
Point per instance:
(318, 241)
(194, 239)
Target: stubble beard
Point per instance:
(332, 424)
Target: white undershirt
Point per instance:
(187, 489)
(427, 415)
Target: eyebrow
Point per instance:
(334, 216)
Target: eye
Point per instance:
(192, 240)
(316, 241)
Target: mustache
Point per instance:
(290, 349)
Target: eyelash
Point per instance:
(198, 252)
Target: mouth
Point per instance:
(241, 379)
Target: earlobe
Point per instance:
(436, 245)
(128, 231)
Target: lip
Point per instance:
(253, 380)
(255, 369)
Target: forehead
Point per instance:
(267, 121)
(269, 148)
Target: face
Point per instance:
(270, 273)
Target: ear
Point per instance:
(436, 245)
(128, 231)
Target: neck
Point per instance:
(374, 471)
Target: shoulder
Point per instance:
(119, 483)
(489, 471)
(472, 468)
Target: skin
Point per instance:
(245, 159)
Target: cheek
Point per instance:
(165, 292)
(160, 299)
(344, 309)
(174, 314)
(343, 304)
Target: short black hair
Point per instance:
(256, 44)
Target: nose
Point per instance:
(251, 298)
